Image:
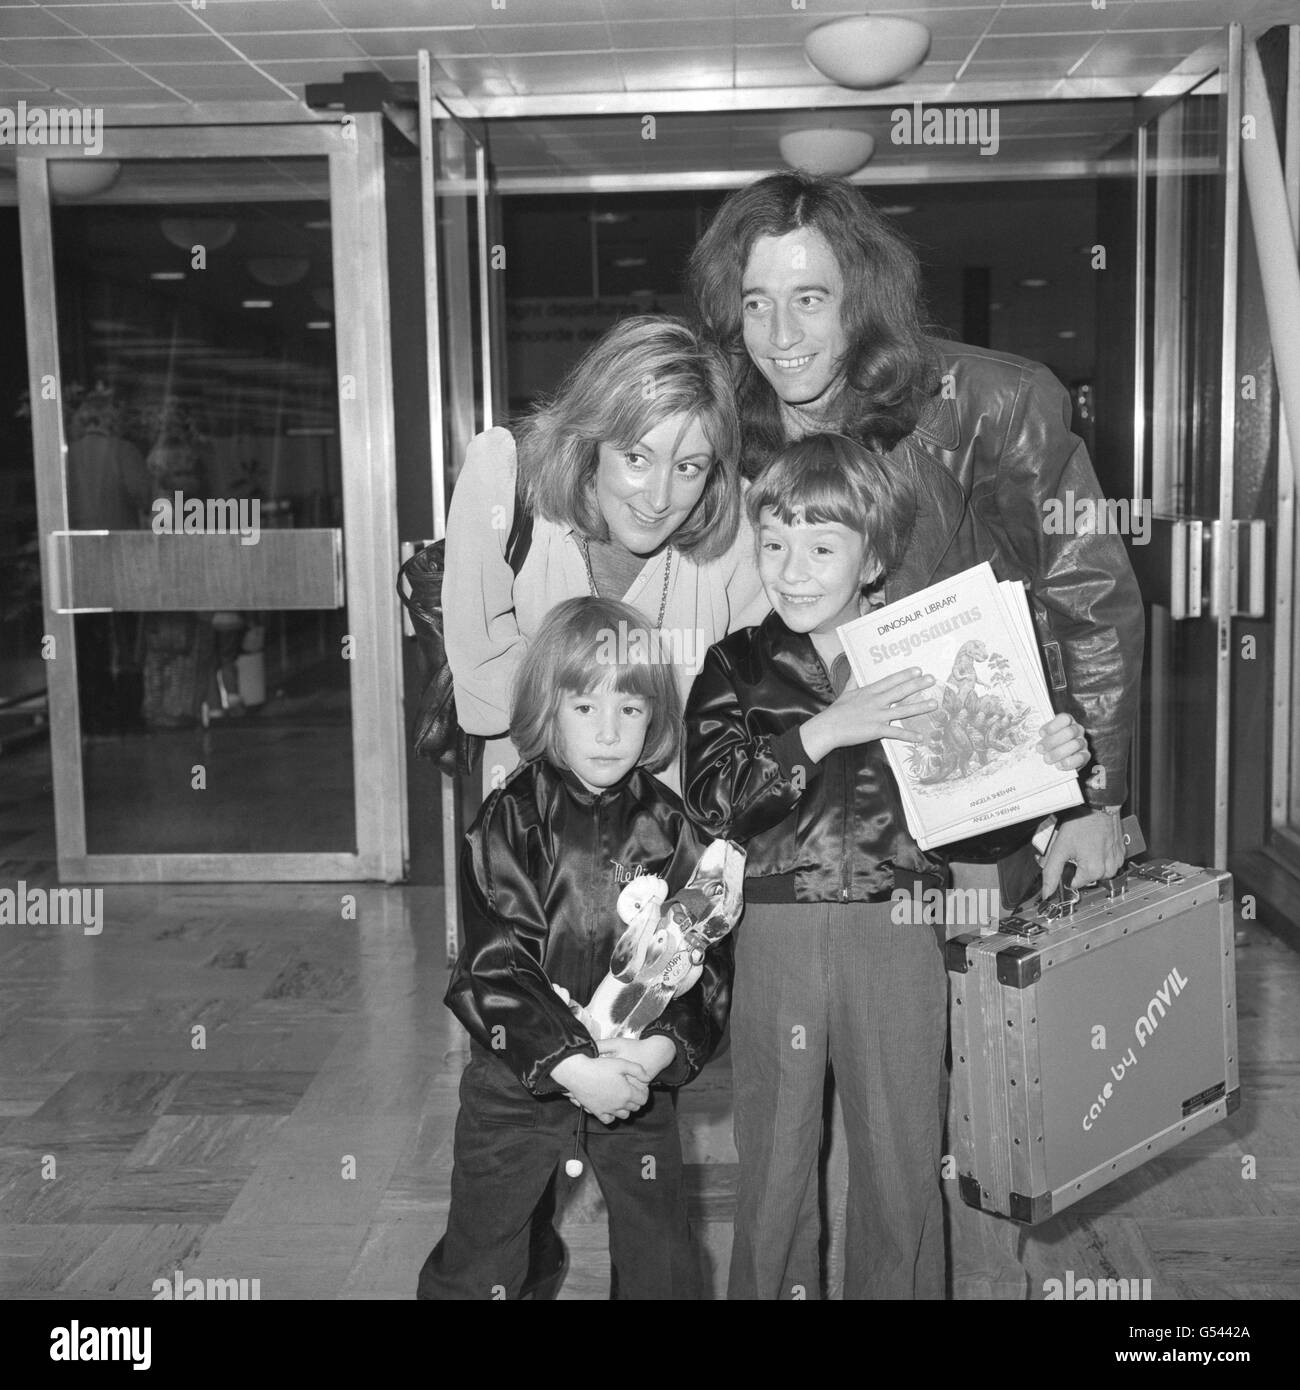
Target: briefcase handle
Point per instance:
(1066, 898)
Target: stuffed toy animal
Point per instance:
(663, 942)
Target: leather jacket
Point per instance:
(829, 831)
(989, 451)
(541, 870)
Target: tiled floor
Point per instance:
(237, 1082)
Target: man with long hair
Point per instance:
(816, 300)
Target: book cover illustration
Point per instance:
(977, 765)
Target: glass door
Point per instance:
(464, 307)
(215, 507)
(1187, 161)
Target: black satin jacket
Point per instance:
(541, 870)
(991, 453)
(837, 826)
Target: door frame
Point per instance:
(354, 149)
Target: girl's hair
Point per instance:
(891, 367)
(645, 370)
(590, 644)
(828, 477)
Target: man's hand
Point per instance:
(1094, 843)
(651, 1054)
(1063, 744)
(609, 1088)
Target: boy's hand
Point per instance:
(863, 713)
(607, 1087)
(1063, 743)
(651, 1054)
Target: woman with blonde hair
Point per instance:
(630, 473)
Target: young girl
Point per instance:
(542, 868)
(783, 754)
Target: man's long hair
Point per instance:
(891, 368)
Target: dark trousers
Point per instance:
(507, 1146)
(839, 985)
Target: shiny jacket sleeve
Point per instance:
(694, 1022)
(484, 645)
(500, 991)
(737, 782)
(1081, 577)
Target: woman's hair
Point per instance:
(828, 477)
(891, 367)
(645, 370)
(590, 644)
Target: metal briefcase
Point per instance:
(1085, 1044)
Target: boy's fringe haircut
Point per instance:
(830, 478)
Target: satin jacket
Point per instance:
(836, 827)
(1000, 479)
(541, 870)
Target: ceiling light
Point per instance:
(212, 233)
(629, 262)
(82, 178)
(166, 274)
(996, 304)
(319, 323)
(1067, 333)
(607, 219)
(867, 50)
(827, 150)
(278, 271)
(256, 303)
(1034, 284)
(898, 209)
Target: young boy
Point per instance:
(783, 754)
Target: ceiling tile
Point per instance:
(553, 11)
(313, 69)
(120, 96)
(667, 69)
(535, 76)
(260, 16)
(1075, 16)
(1182, 14)
(260, 47)
(778, 77)
(1051, 48)
(24, 52)
(170, 48)
(672, 9)
(409, 14)
(669, 33)
(162, 18)
(210, 74)
(89, 75)
(544, 38)
(29, 22)
(406, 43)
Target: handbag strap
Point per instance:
(520, 539)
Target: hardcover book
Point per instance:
(977, 766)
